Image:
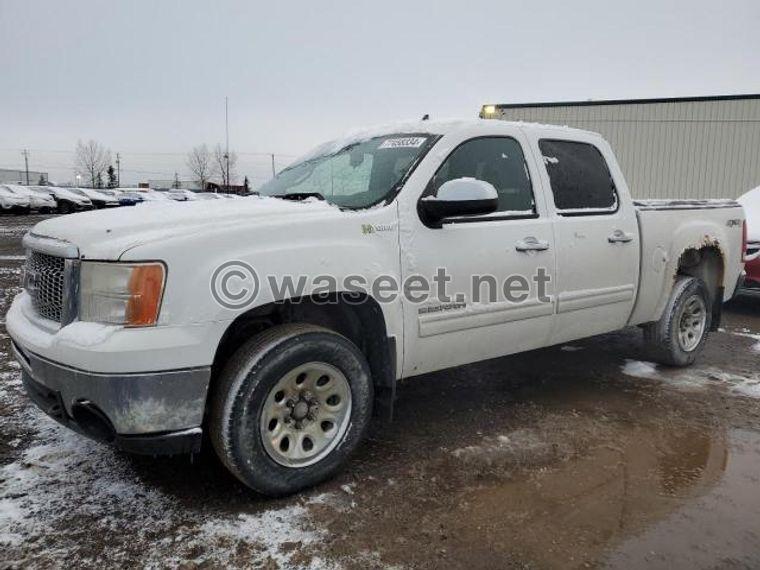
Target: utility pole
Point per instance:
(227, 145)
(118, 170)
(26, 163)
(274, 172)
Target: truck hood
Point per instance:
(107, 234)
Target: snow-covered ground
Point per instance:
(63, 479)
(697, 378)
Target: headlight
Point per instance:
(121, 293)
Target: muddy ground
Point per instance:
(577, 456)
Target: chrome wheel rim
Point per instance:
(306, 414)
(692, 323)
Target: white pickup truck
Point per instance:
(277, 323)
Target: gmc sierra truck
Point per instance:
(277, 324)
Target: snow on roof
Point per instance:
(433, 127)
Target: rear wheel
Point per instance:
(679, 336)
(290, 407)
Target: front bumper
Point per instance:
(151, 413)
(15, 206)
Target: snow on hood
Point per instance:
(751, 204)
(105, 234)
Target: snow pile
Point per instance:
(639, 369)
(696, 378)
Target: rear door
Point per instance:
(596, 232)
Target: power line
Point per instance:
(61, 151)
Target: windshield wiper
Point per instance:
(300, 196)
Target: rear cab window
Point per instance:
(580, 179)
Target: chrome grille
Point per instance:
(44, 281)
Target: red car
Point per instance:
(751, 203)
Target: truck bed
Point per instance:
(667, 229)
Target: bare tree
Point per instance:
(91, 160)
(200, 163)
(220, 165)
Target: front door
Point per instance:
(483, 310)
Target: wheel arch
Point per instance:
(706, 263)
(357, 316)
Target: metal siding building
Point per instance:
(9, 176)
(697, 147)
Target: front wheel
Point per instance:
(290, 407)
(680, 334)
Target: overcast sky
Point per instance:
(148, 78)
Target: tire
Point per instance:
(65, 208)
(671, 343)
(265, 371)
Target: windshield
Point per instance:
(359, 175)
(78, 192)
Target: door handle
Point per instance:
(619, 236)
(531, 244)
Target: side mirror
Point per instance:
(460, 197)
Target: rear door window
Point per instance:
(580, 179)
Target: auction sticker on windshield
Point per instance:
(405, 142)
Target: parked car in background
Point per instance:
(100, 198)
(182, 195)
(39, 201)
(751, 204)
(46, 193)
(12, 201)
(149, 195)
(129, 198)
(208, 196)
(68, 201)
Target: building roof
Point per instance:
(627, 101)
